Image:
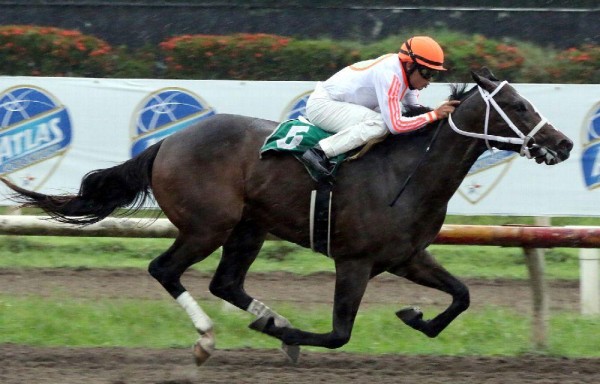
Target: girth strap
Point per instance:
(320, 218)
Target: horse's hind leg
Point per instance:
(168, 268)
(423, 269)
(239, 252)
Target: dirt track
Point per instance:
(275, 287)
(20, 364)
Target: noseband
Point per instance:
(523, 140)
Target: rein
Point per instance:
(435, 134)
(523, 140)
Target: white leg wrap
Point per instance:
(260, 310)
(200, 319)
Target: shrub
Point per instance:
(31, 50)
(239, 56)
(254, 57)
(140, 63)
(315, 59)
(463, 55)
(576, 65)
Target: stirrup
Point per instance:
(316, 160)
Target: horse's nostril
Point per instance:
(566, 145)
(564, 150)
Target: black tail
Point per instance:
(101, 192)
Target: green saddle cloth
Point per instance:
(296, 136)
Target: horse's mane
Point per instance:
(415, 110)
(457, 92)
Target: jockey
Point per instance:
(364, 101)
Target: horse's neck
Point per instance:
(447, 163)
(456, 156)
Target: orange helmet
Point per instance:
(424, 51)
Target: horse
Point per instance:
(211, 184)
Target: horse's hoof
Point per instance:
(292, 352)
(411, 316)
(203, 348)
(200, 354)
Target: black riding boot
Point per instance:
(318, 161)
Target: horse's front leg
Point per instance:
(423, 269)
(239, 252)
(352, 277)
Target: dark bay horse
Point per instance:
(209, 181)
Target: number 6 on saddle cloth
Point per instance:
(297, 136)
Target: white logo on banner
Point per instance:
(296, 108)
(163, 113)
(485, 174)
(590, 159)
(35, 133)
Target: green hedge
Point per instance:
(47, 51)
(253, 57)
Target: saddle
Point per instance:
(299, 135)
(296, 136)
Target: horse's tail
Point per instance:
(101, 192)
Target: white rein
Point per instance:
(522, 140)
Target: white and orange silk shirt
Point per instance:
(381, 85)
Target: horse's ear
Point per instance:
(483, 81)
(485, 72)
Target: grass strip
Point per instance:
(162, 324)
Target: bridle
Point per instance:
(525, 141)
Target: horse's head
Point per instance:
(511, 122)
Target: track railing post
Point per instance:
(539, 321)
(536, 263)
(589, 280)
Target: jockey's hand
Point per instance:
(446, 108)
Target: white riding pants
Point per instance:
(353, 125)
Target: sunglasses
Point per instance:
(426, 73)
